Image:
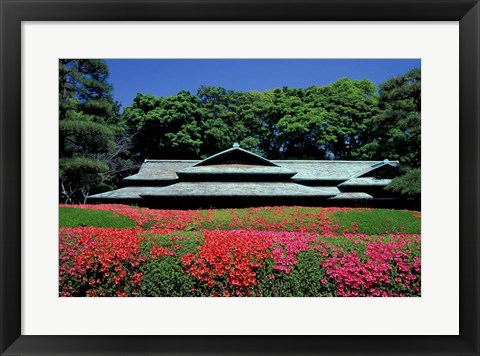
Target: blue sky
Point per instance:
(164, 77)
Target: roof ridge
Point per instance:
(235, 149)
(171, 160)
(328, 161)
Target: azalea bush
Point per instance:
(274, 252)
(100, 262)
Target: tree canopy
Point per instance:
(91, 130)
(395, 131)
(348, 119)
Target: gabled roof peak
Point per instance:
(236, 155)
(381, 165)
(386, 162)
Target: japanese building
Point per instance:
(239, 178)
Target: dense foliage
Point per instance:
(249, 252)
(344, 120)
(93, 139)
(395, 130)
(409, 184)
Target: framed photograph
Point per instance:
(45, 45)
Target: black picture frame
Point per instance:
(13, 12)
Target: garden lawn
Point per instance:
(71, 217)
(117, 250)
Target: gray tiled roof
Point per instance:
(307, 170)
(239, 189)
(125, 193)
(327, 170)
(370, 181)
(352, 196)
(234, 169)
(160, 169)
(174, 178)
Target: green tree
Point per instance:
(90, 128)
(299, 127)
(408, 184)
(395, 132)
(165, 127)
(319, 122)
(78, 175)
(227, 117)
(194, 126)
(84, 88)
(348, 104)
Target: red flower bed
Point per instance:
(234, 256)
(388, 270)
(228, 257)
(257, 256)
(99, 261)
(279, 219)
